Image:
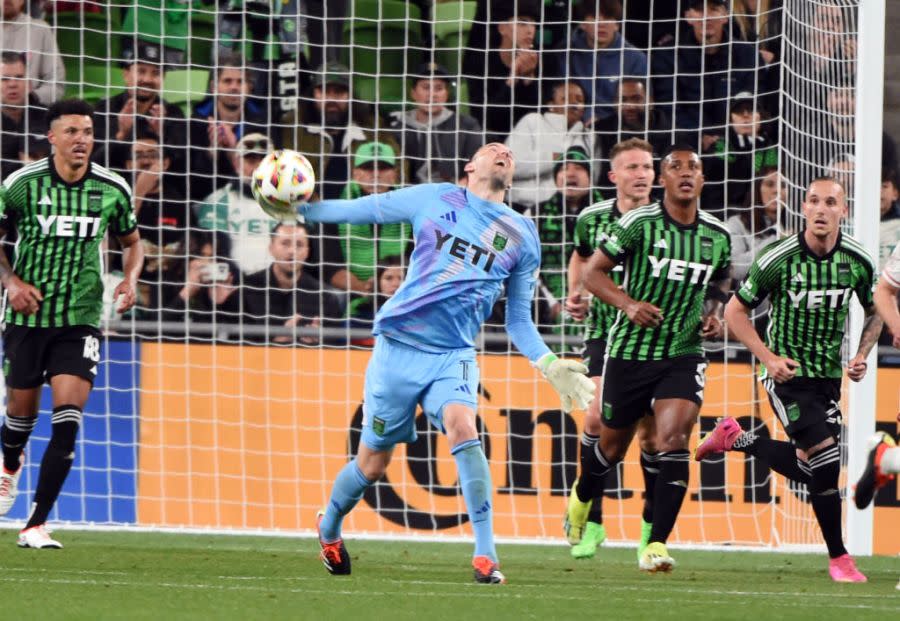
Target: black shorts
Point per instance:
(631, 386)
(32, 356)
(594, 355)
(805, 401)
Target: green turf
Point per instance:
(164, 576)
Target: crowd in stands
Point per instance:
(559, 81)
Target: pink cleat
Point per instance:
(843, 569)
(719, 440)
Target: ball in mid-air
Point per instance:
(283, 180)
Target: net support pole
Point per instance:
(866, 216)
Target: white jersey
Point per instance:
(891, 271)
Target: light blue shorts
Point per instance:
(399, 377)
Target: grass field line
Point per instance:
(666, 591)
(96, 572)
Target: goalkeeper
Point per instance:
(468, 244)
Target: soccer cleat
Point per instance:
(719, 440)
(9, 487)
(656, 558)
(38, 538)
(334, 554)
(487, 571)
(576, 518)
(843, 569)
(594, 535)
(646, 527)
(872, 477)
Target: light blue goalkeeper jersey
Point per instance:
(466, 249)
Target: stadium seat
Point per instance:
(203, 33)
(92, 37)
(93, 82)
(393, 28)
(185, 87)
(451, 23)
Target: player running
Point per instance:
(677, 260)
(468, 245)
(632, 173)
(61, 207)
(810, 278)
(883, 462)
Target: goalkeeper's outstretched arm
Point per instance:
(393, 206)
(568, 377)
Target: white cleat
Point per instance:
(656, 559)
(37, 537)
(9, 487)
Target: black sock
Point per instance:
(587, 443)
(56, 463)
(781, 456)
(593, 473)
(825, 497)
(13, 436)
(595, 515)
(671, 486)
(650, 470)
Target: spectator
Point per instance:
(636, 117)
(139, 110)
(540, 137)
(555, 220)
(503, 81)
(840, 103)
(218, 123)
(284, 294)
(890, 214)
(34, 148)
(597, 55)
(759, 21)
(233, 214)
(829, 48)
(757, 224)
(45, 67)
(388, 278)
(695, 79)
(364, 246)
(23, 115)
(328, 128)
(843, 167)
(730, 163)
(434, 138)
(163, 217)
(207, 295)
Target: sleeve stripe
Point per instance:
(647, 211)
(890, 278)
(856, 248)
(780, 251)
(113, 179)
(37, 166)
(596, 208)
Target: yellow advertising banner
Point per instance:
(251, 438)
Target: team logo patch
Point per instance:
(706, 248)
(843, 274)
(378, 426)
(95, 201)
(793, 412)
(499, 242)
(607, 410)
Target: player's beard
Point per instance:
(498, 183)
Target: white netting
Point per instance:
(225, 399)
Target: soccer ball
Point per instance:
(283, 180)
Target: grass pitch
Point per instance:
(121, 575)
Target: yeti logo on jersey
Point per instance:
(69, 226)
(466, 251)
(813, 299)
(680, 270)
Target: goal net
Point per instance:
(231, 396)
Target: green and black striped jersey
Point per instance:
(60, 228)
(671, 266)
(593, 225)
(810, 297)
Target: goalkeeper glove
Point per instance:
(568, 379)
